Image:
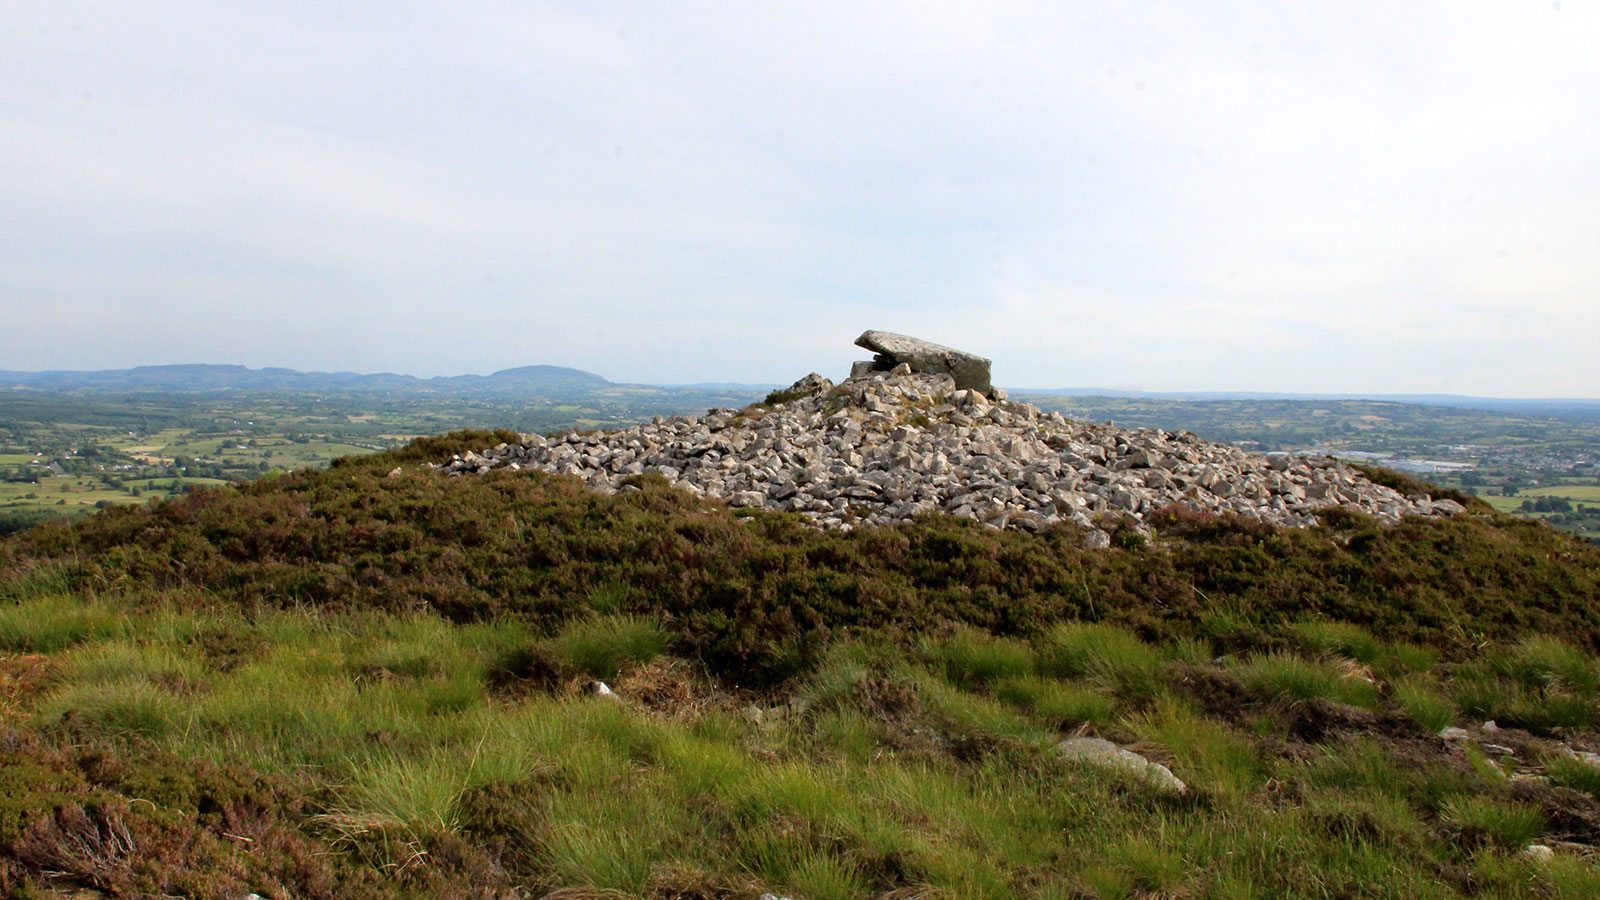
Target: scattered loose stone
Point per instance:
(1097, 539)
(1453, 733)
(1539, 852)
(1586, 756)
(1101, 752)
(886, 446)
(601, 689)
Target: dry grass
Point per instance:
(22, 677)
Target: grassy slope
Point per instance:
(348, 684)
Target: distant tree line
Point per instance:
(1550, 505)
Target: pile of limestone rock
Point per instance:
(919, 429)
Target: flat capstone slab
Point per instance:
(970, 370)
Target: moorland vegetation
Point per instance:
(364, 682)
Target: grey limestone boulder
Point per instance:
(809, 386)
(970, 371)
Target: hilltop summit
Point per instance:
(884, 446)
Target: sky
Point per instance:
(1209, 195)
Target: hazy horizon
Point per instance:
(1114, 389)
(1174, 197)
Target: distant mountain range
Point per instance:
(523, 381)
(1549, 406)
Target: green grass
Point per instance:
(829, 801)
(1574, 773)
(1109, 656)
(1281, 676)
(1507, 825)
(1066, 705)
(605, 646)
(1425, 703)
(1207, 755)
(969, 658)
(1539, 683)
(1540, 660)
(55, 621)
(1577, 493)
(1339, 638)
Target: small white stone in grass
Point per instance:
(1538, 852)
(1103, 753)
(1452, 733)
(601, 689)
(1491, 726)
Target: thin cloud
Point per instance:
(1180, 195)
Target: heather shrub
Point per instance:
(759, 598)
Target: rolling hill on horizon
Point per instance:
(1549, 406)
(198, 377)
(548, 379)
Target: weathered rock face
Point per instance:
(970, 371)
(884, 447)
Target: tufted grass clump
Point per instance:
(1505, 689)
(1065, 704)
(1424, 702)
(1544, 661)
(49, 622)
(1338, 638)
(969, 658)
(1284, 676)
(37, 581)
(1509, 825)
(1335, 639)
(977, 713)
(1102, 653)
(1570, 771)
(1206, 755)
(606, 645)
(1139, 868)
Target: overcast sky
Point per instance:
(1200, 195)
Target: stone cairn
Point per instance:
(920, 429)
